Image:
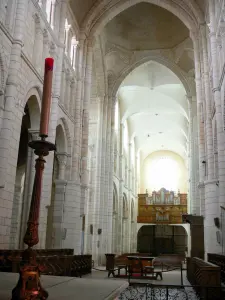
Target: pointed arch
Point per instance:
(97, 18)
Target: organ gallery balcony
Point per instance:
(162, 207)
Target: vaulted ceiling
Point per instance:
(153, 102)
(146, 26)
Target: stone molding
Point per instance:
(62, 158)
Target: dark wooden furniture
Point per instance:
(58, 262)
(197, 235)
(219, 260)
(137, 264)
(202, 274)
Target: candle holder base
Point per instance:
(29, 286)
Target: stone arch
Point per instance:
(190, 14)
(33, 89)
(166, 239)
(161, 60)
(125, 206)
(30, 123)
(115, 198)
(60, 139)
(67, 135)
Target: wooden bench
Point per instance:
(58, 262)
(219, 260)
(202, 274)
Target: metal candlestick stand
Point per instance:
(29, 286)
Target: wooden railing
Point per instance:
(219, 260)
(58, 262)
(202, 273)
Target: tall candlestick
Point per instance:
(29, 286)
(46, 98)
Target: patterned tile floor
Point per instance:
(95, 286)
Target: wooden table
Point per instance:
(138, 263)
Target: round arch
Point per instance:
(61, 142)
(66, 132)
(162, 239)
(190, 14)
(125, 206)
(115, 198)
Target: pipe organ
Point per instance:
(162, 207)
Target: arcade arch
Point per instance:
(25, 169)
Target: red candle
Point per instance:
(46, 97)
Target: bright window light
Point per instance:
(163, 172)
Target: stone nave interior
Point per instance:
(137, 117)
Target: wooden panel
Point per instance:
(162, 207)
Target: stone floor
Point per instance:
(94, 286)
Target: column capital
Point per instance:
(62, 158)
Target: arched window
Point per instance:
(163, 172)
(125, 207)
(73, 52)
(49, 8)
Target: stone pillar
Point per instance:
(17, 208)
(52, 17)
(87, 95)
(45, 52)
(73, 97)
(67, 90)
(211, 201)
(78, 113)
(28, 186)
(67, 50)
(11, 124)
(110, 181)
(58, 230)
(74, 52)
(57, 54)
(120, 193)
(62, 160)
(96, 207)
(219, 113)
(38, 44)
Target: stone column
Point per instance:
(192, 196)
(73, 97)
(52, 17)
(62, 160)
(74, 52)
(211, 202)
(111, 173)
(17, 208)
(120, 193)
(57, 54)
(67, 50)
(57, 207)
(28, 185)
(219, 113)
(78, 113)
(201, 117)
(58, 233)
(87, 95)
(11, 124)
(45, 52)
(38, 44)
(67, 90)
